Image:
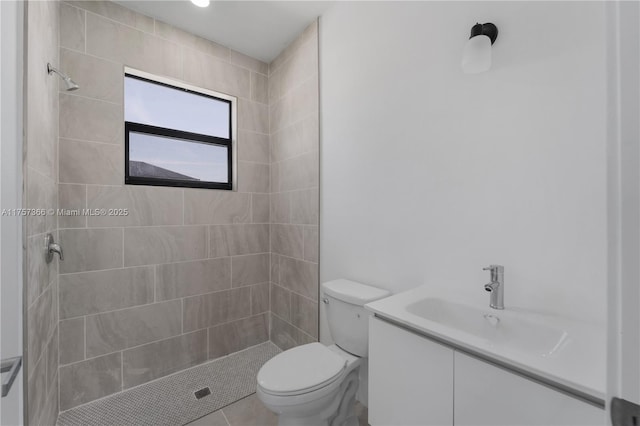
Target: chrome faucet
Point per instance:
(52, 247)
(496, 286)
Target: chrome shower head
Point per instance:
(69, 84)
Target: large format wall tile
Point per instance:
(145, 205)
(253, 116)
(94, 292)
(118, 13)
(71, 340)
(52, 357)
(39, 273)
(90, 249)
(158, 359)
(249, 269)
(305, 206)
(299, 276)
(259, 88)
(203, 206)
(299, 67)
(309, 35)
(253, 146)
(110, 40)
(117, 330)
(90, 119)
(304, 314)
(40, 173)
(89, 380)
(237, 335)
(37, 391)
(248, 62)
(216, 308)
(253, 177)
(294, 201)
(71, 27)
(152, 245)
(41, 194)
(231, 240)
(200, 44)
(294, 140)
(97, 78)
(286, 336)
(299, 172)
(49, 414)
(281, 207)
(260, 208)
(185, 279)
(41, 322)
(311, 247)
(78, 162)
(281, 302)
(287, 240)
(72, 197)
(259, 298)
(215, 74)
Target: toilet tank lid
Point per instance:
(353, 292)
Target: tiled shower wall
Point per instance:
(185, 276)
(293, 118)
(40, 176)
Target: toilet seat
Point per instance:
(301, 370)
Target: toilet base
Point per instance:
(339, 411)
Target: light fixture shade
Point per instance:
(476, 57)
(200, 3)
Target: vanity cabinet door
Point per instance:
(410, 378)
(489, 395)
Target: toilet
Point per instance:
(314, 384)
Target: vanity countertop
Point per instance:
(567, 354)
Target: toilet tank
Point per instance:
(348, 319)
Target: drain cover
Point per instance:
(202, 393)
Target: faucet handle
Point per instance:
(494, 268)
(497, 272)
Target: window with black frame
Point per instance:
(176, 136)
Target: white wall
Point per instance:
(428, 174)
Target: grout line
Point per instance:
(225, 417)
(207, 343)
(123, 265)
(84, 336)
(85, 29)
(117, 144)
(121, 370)
(75, 95)
(155, 282)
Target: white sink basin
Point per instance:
(563, 351)
(498, 328)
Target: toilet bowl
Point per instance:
(316, 385)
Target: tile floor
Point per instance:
(249, 411)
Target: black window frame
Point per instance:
(134, 127)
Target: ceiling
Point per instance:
(260, 29)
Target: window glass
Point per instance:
(161, 157)
(174, 108)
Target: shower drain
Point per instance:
(202, 393)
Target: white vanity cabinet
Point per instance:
(410, 378)
(416, 381)
(489, 395)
